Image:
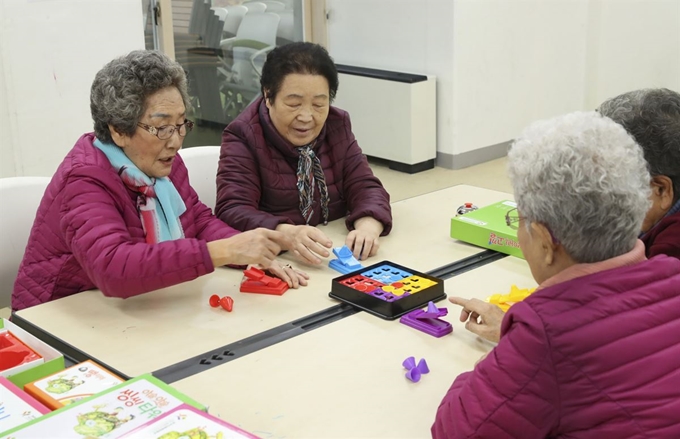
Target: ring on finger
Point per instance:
(288, 266)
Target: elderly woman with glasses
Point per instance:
(119, 214)
(594, 351)
(290, 161)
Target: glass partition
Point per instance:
(222, 45)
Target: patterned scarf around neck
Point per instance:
(309, 169)
(158, 202)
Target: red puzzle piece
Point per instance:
(256, 281)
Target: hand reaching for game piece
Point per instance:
(294, 278)
(363, 240)
(483, 319)
(308, 243)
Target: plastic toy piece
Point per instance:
(227, 303)
(387, 274)
(415, 372)
(256, 281)
(346, 262)
(505, 301)
(428, 321)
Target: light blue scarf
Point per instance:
(158, 202)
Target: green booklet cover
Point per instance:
(485, 227)
(107, 415)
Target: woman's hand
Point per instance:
(294, 278)
(363, 240)
(307, 243)
(259, 246)
(483, 319)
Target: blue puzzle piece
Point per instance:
(386, 274)
(346, 262)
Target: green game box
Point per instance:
(485, 227)
(107, 415)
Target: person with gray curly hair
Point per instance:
(569, 359)
(119, 214)
(652, 117)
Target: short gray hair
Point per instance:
(584, 177)
(119, 91)
(652, 117)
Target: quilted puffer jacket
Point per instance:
(593, 357)
(664, 238)
(87, 234)
(257, 175)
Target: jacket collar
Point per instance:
(272, 136)
(637, 254)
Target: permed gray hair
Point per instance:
(119, 91)
(652, 117)
(584, 177)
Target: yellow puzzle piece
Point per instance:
(505, 301)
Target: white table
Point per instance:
(345, 380)
(160, 328)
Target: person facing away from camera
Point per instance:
(593, 352)
(652, 117)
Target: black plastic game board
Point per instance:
(387, 290)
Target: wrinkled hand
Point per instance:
(307, 243)
(363, 240)
(294, 278)
(259, 246)
(483, 319)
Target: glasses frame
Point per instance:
(156, 131)
(512, 222)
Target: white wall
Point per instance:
(412, 36)
(504, 63)
(635, 44)
(49, 54)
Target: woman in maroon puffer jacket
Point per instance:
(593, 353)
(290, 161)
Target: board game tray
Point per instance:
(387, 290)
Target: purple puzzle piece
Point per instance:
(415, 372)
(423, 321)
(409, 363)
(432, 312)
(413, 375)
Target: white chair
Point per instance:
(202, 162)
(255, 7)
(273, 6)
(233, 20)
(255, 38)
(221, 12)
(19, 201)
(286, 31)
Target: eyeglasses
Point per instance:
(512, 218)
(166, 131)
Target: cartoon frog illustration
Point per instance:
(194, 433)
(62, 385)
(98, 423)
